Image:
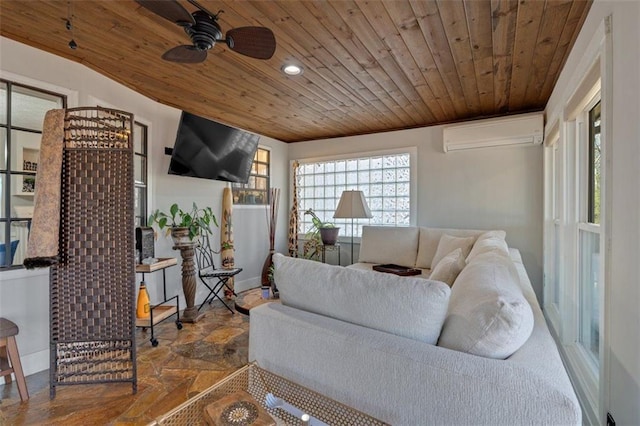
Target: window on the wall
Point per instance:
(589, 239)
(256, 190)
(594, 164)
(557, 249)
(384, 179)
(573, 243)
(140, 164)
(579, 191)
(22, 111)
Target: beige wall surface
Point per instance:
(487, 188)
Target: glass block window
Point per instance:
(384, 179)
(256, 190)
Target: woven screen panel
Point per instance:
(93, 286)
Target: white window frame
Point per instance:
(554, 190)
(581, 94)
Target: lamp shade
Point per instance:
(352, 205)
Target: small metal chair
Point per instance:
(214, 279)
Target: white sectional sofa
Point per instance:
(412, 350)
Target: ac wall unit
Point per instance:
(526, 129)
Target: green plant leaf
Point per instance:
(198, 221)
(193, 232)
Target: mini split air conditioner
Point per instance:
(526, 129)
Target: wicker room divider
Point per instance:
(92, 288)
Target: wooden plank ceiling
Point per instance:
(369, 66)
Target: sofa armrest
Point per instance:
(399, 380)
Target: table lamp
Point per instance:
(352, 205)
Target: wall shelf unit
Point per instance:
(26, 160)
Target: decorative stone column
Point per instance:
(187, 251)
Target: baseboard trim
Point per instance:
(35, 362)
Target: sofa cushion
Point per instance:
(387, 244)
(405, 306)
(449, 243)
(492, 241)
(429, 239)
(488, 314)
(449, 267)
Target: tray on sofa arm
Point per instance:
(397, 269)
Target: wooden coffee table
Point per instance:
(248, 299)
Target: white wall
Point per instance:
(24, 294)
(621, 333)
(482, 189)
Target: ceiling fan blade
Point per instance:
(170, 10)
(256, 42)
(185, 54)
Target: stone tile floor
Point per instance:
(185, 363)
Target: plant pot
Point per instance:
(329, 236)
(180, 236)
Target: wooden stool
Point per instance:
(9, 357)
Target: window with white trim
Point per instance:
(576, 225)
(589, 256)
(385, 180)
(553, 221)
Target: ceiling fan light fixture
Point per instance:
(292, 69)
(204, 31)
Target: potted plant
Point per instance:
(325, 231)
(184, 226)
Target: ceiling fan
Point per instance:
(204, 31)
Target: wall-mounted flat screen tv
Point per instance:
(210, 150)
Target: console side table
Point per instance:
(324, 248)
(161, 311)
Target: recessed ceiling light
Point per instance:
(292, 69)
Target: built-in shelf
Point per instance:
(27, 161)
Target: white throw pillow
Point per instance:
(449, 243)
(488, 314)
(429, 239)
(449, 267)
(490, 242)
(389, 244)
(427, 246)
(405, 306)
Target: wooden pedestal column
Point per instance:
(187, 252)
